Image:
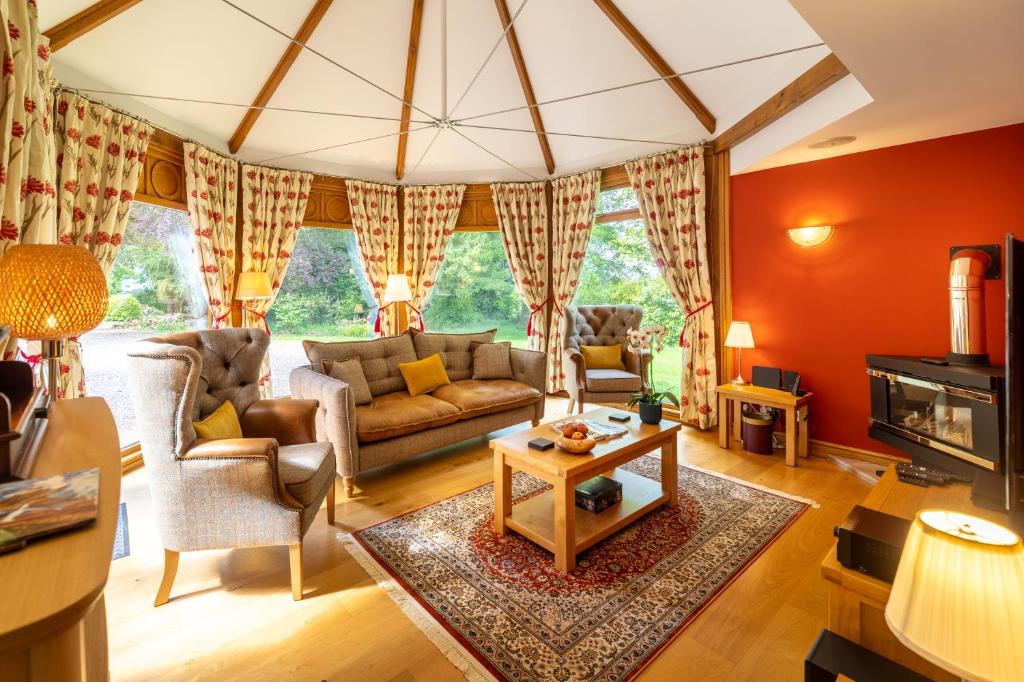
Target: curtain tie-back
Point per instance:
(217, 320)
(419, 316)
(687, 320)
(534, 309)
(261, 317)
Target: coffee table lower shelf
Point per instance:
(535, 517)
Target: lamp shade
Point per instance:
(254, 285)
(958, 596)
(397, 289)
(809, 237)
(739, 336)
(51, 291)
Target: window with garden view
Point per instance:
(154, 289)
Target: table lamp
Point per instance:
(51, 292)
(958, 596)
(253, 286)
(398, 291)
(739, 337)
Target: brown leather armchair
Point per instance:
(601, 325)
(262, 489)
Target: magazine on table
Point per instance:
(33, 508)
(597, 430)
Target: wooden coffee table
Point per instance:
(551, 519)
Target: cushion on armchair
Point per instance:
(221, 423)
(603, 357)
(612, 381)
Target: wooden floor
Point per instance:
(231, 615)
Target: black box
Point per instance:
(598, 493)
(871, 542)
(541, 444)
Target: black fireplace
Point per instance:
(944, 415)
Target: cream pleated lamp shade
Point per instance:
(397, 289)
(958, 596)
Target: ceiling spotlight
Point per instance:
(832, 142)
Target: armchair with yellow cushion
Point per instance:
(598, 367)
(256, 477)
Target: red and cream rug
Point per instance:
(497, 607)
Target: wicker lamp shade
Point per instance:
(50, 291)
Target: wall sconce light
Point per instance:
(809, 237)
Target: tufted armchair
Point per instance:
(601, 325)
(262, 489)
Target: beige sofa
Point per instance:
(395, 426)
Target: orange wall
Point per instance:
(879, 284)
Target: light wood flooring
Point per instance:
(231, 615)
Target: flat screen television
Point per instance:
(1015, 380)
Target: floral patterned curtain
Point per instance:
(430, 215)
(273, 205)
(522, 220)
(100, 155)
(573, 205)
(210, 180)
(374, 209)
(27, 193)
(670, 190)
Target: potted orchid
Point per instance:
(648, 340)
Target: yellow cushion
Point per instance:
(423, 376)
(222, 423)
(603, 357)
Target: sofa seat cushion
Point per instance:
(398, 414)
(475, 398)
(612, 381)
(306, 469)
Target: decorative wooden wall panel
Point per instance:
(477, 212)
(614, 177)
(328, 204)
(163, 179)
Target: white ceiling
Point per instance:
(208, 50)
(933, 67)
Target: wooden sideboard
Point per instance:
(856, 602)
(52, 619)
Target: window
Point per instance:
(154, 289)
(474, 290)
(323, 297)
(619, 269)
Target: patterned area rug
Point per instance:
(501, 600)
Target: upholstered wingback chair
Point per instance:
(601, 325)
(262, 489)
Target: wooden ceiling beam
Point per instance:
(808, 84)
(524, 80)
(410, 83)
(89, 18)
(291, 53)
(660, 66)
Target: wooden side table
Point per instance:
(795, 408)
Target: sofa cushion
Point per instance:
(475, 398)
(454, 349)
(399, 414)
(612, 381)
(305, 469)
(351, 372)
(492, 360)
(379, 358)
(423, 376)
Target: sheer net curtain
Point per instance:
(100, 155)
(211, 183)
(374, 209)
(273, 206)
(431, 212)
(27, 169)
(522, 220)
(573, 207)
(670, 191)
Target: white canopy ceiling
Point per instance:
(211, 50)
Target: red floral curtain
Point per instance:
(211, 181)
(670, 190)
(100, 155)
(573, 204)
(374, 209)
(522, 220)
(27, 178)
(273, 205)
(430, 216)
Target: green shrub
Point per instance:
(124, 308)
(357, 331)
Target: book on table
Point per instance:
(597, 430)
(40, 506)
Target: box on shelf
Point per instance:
(597, 494)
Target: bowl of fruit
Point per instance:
(575, 438)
